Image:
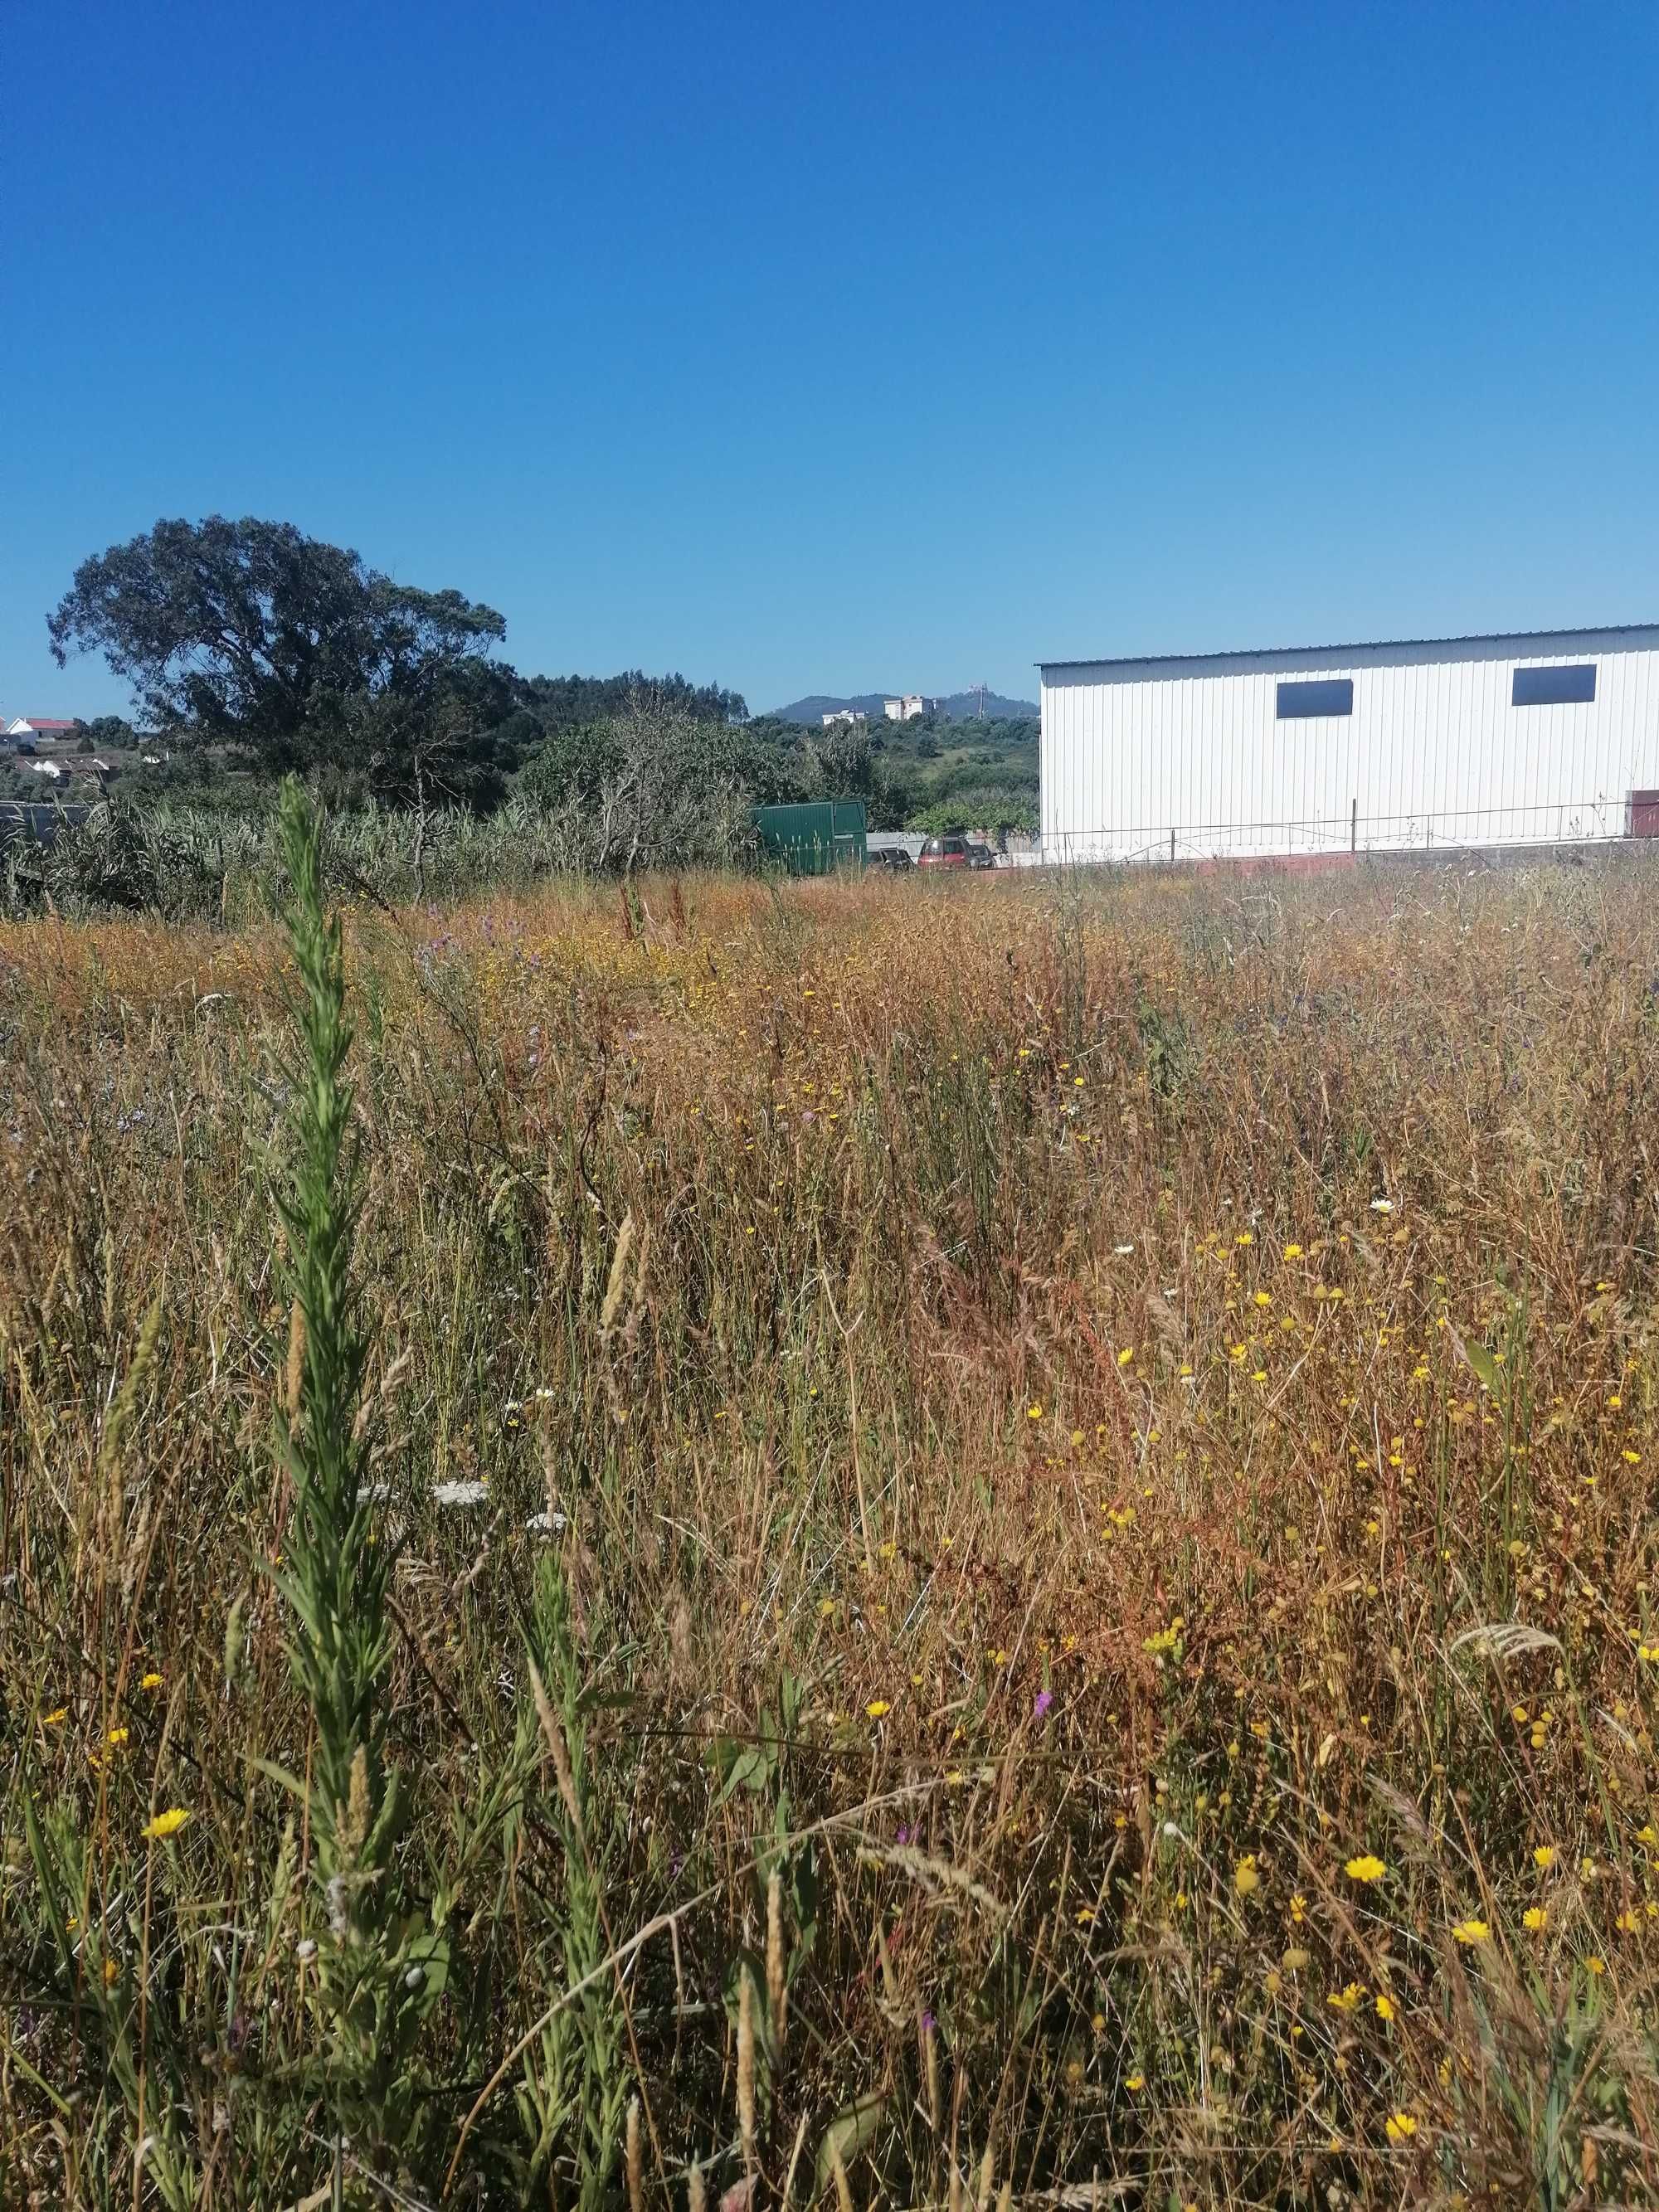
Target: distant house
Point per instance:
(41, 729)
(849, 716)
(909, 707)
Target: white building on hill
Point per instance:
(1539, 738)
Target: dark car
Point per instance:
(954, 850)
(893, 858)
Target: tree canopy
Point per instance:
(280, 648)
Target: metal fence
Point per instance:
(1633, 818)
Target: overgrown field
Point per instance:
(1008, 1522)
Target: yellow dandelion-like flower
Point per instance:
(1401, 2127)
(1535, 1919)
(1544, 1856)
(112, 1973)
(150, 1681)
(1126, 1355)
(1596, 1964)
(1347, 2000)
(878, 1708)
(1385, 2008)
(1245, 1877)
(166, 1824)
(1135, 2083)
(1034, 1412)
(1365, 1868)
(55, 1719)
(117, 1736)
(1293, 1251)
(1471, 1932)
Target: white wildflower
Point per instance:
(459, 1494)
(1381, 1205)
(545, 1523)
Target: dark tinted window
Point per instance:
(1554, 687)
(1330, 695)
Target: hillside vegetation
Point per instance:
(908, 1543)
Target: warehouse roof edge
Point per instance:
(1575, 640)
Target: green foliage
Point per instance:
(562, 702)
(378, 1967)
(573, 2083)
(289, 653)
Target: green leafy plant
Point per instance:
(377, 1967)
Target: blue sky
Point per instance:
(815, 349)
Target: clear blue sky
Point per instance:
(820, 347)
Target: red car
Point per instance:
(956, 851)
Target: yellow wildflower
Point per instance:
(166, 1824)
(1365, 1868)
(1471, 1932)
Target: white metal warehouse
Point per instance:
(1540, 738)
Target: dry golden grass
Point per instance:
(1073, 1415)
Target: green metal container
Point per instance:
(813, 839)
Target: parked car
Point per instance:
(893, 858)
(953, 850)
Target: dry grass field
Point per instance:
(967, 1542)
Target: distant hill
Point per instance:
(959, 707)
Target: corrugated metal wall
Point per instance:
(1433, 752)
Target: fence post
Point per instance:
(1353, 827)
(1172, 848)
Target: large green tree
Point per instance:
(284, 650)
